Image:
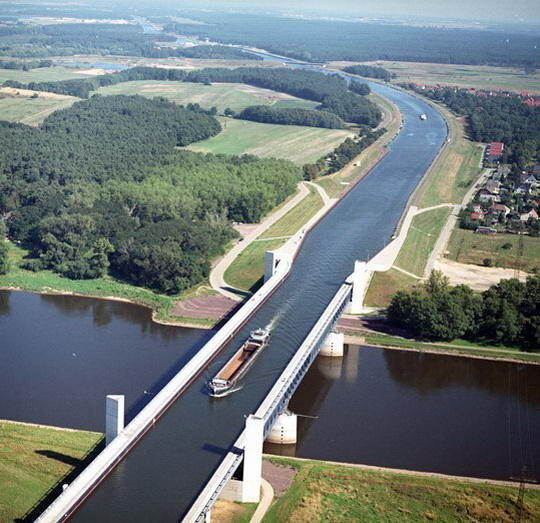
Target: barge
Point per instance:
(225, 380)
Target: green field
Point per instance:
(234, 96)
(298, 144)
(384, 284)
(247, 269)
(485, 77)
(32, 460)
(457, 168)
(31, 111)
(421, 238)
(468, 247)
(45, 74)
(340, 493)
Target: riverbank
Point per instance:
(33, 460)
(342, 492)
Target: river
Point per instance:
(163, 474)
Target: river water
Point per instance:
(163, 474)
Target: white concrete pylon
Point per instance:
(360, 282)
(251, 483)
(114, 417)
(333, 345)
(284, 430)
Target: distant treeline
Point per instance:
(99, 188)
(508, 313)
(291, 116)
(331, 90)
(370, 71)
(341, 155)
(24, 66)
(323, 40)
(221, 52)
(496, 118)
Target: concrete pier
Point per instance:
(114, 417)
(333, 345)
(361, 277)
(251, 484)
(284, 430)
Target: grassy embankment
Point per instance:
(479, 77)
(457, 347)
(336, 183)
(468, 247)
(32, 460)
(329, 492)
(246, 271)
(456, 169)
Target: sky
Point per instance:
(527, 11)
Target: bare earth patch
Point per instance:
(279, 476)
(11, 91)
(477, 277)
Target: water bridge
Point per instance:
(186, 456)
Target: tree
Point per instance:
(4, 259)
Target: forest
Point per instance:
(496, 118)
(370, 71)
(99, 188)
(26, 65)
(325, 40)
(291, 116)
(508, 313)
(331, 90)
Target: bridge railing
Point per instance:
(275, 402)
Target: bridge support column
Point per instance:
(333, 345)
(360, 282)
(251, 483)
(114, 417)
(208, 516)
(271, 261)
(284, 430)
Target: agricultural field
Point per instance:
(43, 74)
(234, 96)
(23, 108)
(484, 77)
(421, 238)
(330, 492)
(32, 460)
(519, 252)
(298, 144)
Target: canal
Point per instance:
(163, 474)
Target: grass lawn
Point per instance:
(43, 74)
(421, 238)
(32, 460)
(384, 284)
(248, 268)
(234, 96)
(468, 247)
(325, 492)
(295, 219)
(457, 168)
(298, 144)
(31, 111)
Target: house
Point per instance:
(536, 170)
(526, 216)
(500, 208)
(529, 179)
(495, 149)
(523, 189)
(477, 216)
(493, 186)
(477, 208)
(486, 196)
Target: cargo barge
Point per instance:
(225, 380)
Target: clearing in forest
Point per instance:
(298, 144)
(233, 96)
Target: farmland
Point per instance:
(298, 144)
(45, 74)
(234, 96)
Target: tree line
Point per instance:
(291, 116)
(508, 313)
(330, 90)
(496, 118)
(26, 65)
(99, 188)
(370, 71)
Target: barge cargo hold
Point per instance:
(238, 365)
